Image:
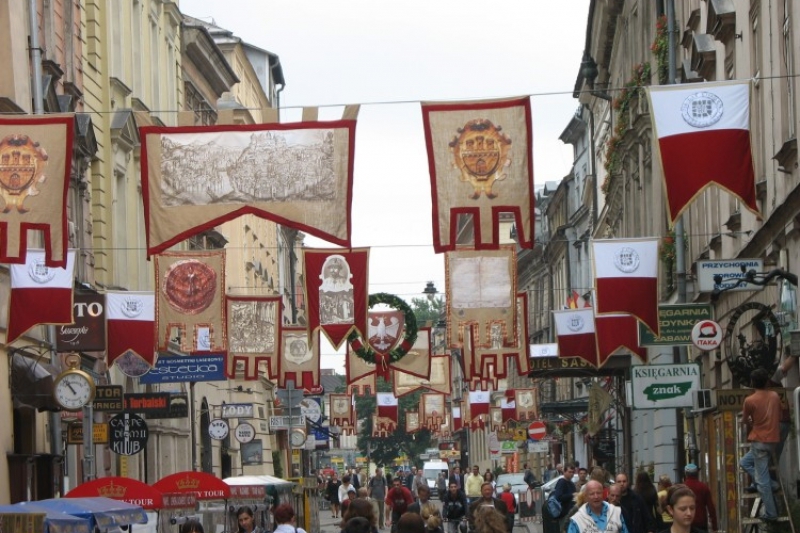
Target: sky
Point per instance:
(389, 56)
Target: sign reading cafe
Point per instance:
(662, 386)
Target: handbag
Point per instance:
(553, 506)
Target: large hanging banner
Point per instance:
(615, 332)
(386, 418)
(575, 332)
(412, 422)
(341, 409)
(481, 164)
(526, 404)
(703, 133)
(190, 303)
(439, 380)
(417, 362)
(359, 375)
(35, 165)
(254, 328)
(336, 286)
(299, 358)
(298, 175)
(431, 410)
(130, 324)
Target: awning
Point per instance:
(101, 512)
(206, 486)
(32, 382)
(256, 480)
(54, 522)
(123, 489)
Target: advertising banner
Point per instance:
(177, 369)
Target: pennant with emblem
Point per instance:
(496, 418)
(130, 324)
(298, 175)
(576, 334)
(626, 277)
(616, 332)
(335, 284)
(341, 409)
(526, 404)
(457, 421)
(432, 410)
(479, 156)
(477, 409)
(35, 166)
(299, 359)
(39, 294)
(599, 402)
(417, 361)
(386, 417)
(254, 330)
(412, 422)
(509, 409)
(190, 302)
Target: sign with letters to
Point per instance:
(731, 274)
(88, 333)
(99, 433)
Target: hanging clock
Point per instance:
(298, 438)
(73, 389)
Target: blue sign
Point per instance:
(179, 369)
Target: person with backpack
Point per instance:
(397, 500)
(377, 486)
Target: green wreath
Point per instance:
(365, 351)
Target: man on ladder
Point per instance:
(761, 414)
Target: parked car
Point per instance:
(548, 487)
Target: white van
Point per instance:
(430, 471)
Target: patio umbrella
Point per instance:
(54, 522)
(101, 512)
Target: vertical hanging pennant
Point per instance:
(495, 418)
(254, 327)
(386, 416)
(626, 272)
(341, 409)
(479, 157)
(299, 358)
(615, 332)
(35, 166)
(478, 409)
(39, 294)
(432, 409)
(456, 418)
(350, 426)
(190, 303)
(509, 409)
(359, 375)
(439, 380)
(412, 422)
(526, 404)
(335, 284)
(576, 334)
(130, 324)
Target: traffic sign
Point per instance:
(537, 430)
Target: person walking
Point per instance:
(664, 483)
(529, 478)
(473, 484)
(705, 512)
(583, 477)
(441, 485)
(681, 506)
(376, 488)
(511, 504)
(419, 482)
(332, 491)
(596, 515)
(344, 488)
(457, 478)
(487, 499)
(286, 520)
(637, 518)
(761, 415)
(454, 507)
(245, 518)
(397, 500)
(428, 510)
(563, 492)
(646, 490)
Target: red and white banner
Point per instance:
(335, 283)
(576, 334)
(626, 272)
(479, 156)
(387, 405)
(39, 294)
(478, 408)
(615, 332)
(299, 358)
(131, 324)
(509, 409)
(35, 167)
(703, 132)
(457, 420)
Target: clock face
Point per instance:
(298, 438)
(73, 390)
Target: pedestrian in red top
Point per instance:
(397, 500)
(761, 414)
(511, 505)
(705, 511)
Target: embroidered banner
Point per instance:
(190, 303)
(386, 418)
(479, 157)
(335, 284)
(35, 166)
(439, 380)
(341, 409)
(615, 332)
(412, 421)
(130, 324)
(254, 328)
(576, 334)
(496, 418)
(417, 362)
(432, 410)
(359, 375)
(298, 175)
(299, 358)
(456, 418)
(526, 403)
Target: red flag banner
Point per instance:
(626, 272)
(130, 324)
(39, 294)
(478, 408)
(576, 334)
(299, 358)
(254, 330)
(385, 421)
(457, 420)
(703, 133)
(335, 285)
(35, 165)
(615, 332)
(479, 158)
(509, 409)
(298, 175)
(190, 301)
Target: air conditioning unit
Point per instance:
(702, 400)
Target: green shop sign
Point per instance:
(675, 323)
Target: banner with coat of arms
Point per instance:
(526, 401)
(417, 362)
(341, 410)
(299, 175)
(299, 358)
(190, 301)
(35, 166)
(432, 410)
(335, 284)
(254, 328)
(479, 156)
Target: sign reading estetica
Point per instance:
(664, 386)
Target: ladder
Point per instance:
(753, 522)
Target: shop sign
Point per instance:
(664, 386)
(108, 398)
(731, 271)
(248, 492)
(99, 433)
(176, 369)
(158, 404)
(675, 323)
(733, 399)
(128, 435)
(88, 332)
(237, 410)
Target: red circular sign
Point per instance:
(537, 430)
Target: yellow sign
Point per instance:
(337, 460)
(99, 433)
(520, 435)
